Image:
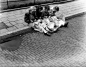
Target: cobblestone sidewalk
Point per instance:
(12, 23)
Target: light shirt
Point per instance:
(59, 15)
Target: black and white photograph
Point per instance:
(42, 33)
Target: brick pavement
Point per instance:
(66, 48)
(15, 19)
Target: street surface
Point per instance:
(66, 48)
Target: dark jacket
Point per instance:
(45, 13)
(38, 13)
(34, 14)
(29, 18)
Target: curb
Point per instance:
(6, 36)
(75, 15)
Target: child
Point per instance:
(60, 17)
(45, 13)
(29, 18)
(40, 25)
(30, 15)
(39, 11)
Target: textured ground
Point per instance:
(64, 48)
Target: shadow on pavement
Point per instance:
(13, 43)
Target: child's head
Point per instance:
(30, 11)
(33, 8)
(39, 8)
(51, 12)
(56, 8)
(47, 7)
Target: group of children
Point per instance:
(44, 19)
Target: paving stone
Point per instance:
(20, 25)
(3, 31)
(8, 24)
(12, 18)
(3, 14)
(20, 17)
(18, 12)
(6, 21)
(20, 21)
(25, 23)
(11, 13)
(3, 19)
(11, 28)
(1, 60)
(17, 16)
(24, 11)
(13, 23)
(27, 10)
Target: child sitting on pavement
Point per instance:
(45, 21)
(39, 25)
(30, 15)
(60, 16)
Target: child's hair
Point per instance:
(47, 7)
(56, 8)
(39, 7)
(30, 11)
(34, 7)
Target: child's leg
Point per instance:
(43, 27)
(36, 26)
(51, 26)
(56, 23)
(61, 23)
(44, 30)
